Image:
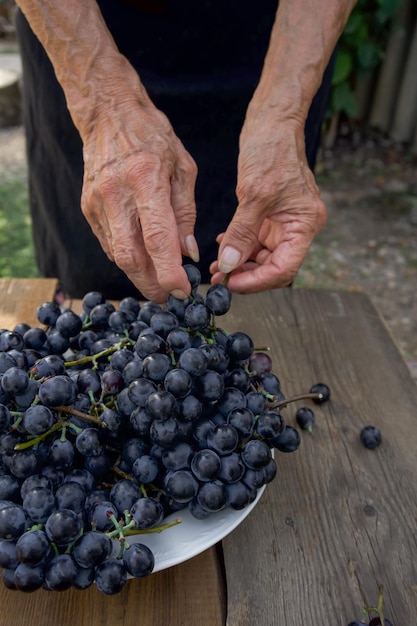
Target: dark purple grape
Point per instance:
(269, 424)
(147, 512)
(193, 274)
(178, 456)
(4, 418)
(100, 514)
(323, 390)
(88, 380)
(48, 313)
(38, 419)
(69, 324)
(223, 439)
(256, 454)
(231, 469)
(120, 358)
(194, 361)
(181, 485)
(218, 299)
(305, 418)
(92, 299)
(147, 310)
(63, 527)
(139, 560)
(205, 465)
(28, 578)
(12, 520)
(243, 420)
(156, 366)
(119, 321)
(33, 547)
(123, 494)
(145, 469)
(9, 488)
(24, 463)
(239, 495)
(112, 381)
(132, 449)
(288, 440)
(14, 381)
(61, 454)
(269, 382)
(179, 340)
(189, 408)
(111, 576)
(163, 322)
(71, 495)
(57, 391)
(99, 315)
(160, 405)
(84, 577)
(8, 554)
(376, 621)
(149, 343)
(88, 442)
(60, 573)
(239, 346)
(370, 437)
(178, 382)
(197, 316)
(50, 365)
(212, 496)
(164, 432)
(129, 304)
(91, 549)
(259, 363)
(38, 504)
(138, 392)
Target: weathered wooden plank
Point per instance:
(339, 519)
(19, 299)
(173, 596)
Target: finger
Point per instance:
(183, 205)
(240, 238)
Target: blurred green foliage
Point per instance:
(361, 48)
(17, 258)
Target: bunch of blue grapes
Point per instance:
(115, 418)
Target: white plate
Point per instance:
(192, 536)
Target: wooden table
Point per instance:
(337, 521)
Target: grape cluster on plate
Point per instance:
(112, 419)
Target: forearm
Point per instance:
(85, 58)
(303, 38)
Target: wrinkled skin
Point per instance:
(138, 196)
(279, 212)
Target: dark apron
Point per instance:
(200, 62)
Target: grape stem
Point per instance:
(84, 416)
(379, 608)
(93, 358)
(303, 396)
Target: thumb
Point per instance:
(239, 240)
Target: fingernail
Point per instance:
(192, 248)
(229, 259)
(179, 293)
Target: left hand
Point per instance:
(279, 211)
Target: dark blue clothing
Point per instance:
(200, 62)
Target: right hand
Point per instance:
(138, 196)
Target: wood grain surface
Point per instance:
(337, 521)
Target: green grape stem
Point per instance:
(93, 358)
(379, 608)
